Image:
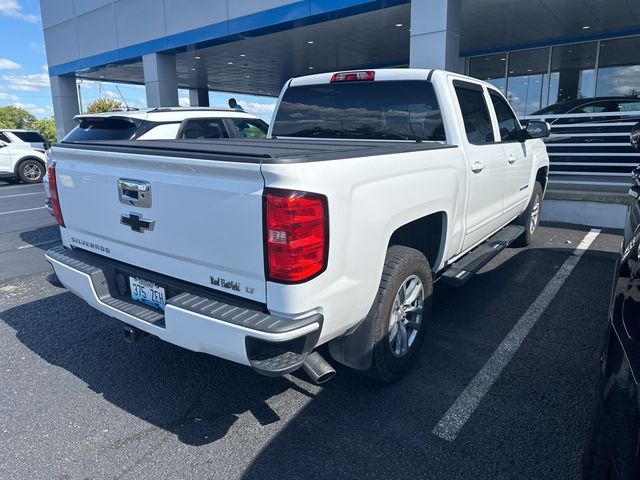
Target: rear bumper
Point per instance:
(193, 318)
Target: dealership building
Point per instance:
(537, 52)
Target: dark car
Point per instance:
(580, 110)
(612, 450)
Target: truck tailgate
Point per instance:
(206, 214)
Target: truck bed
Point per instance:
(259, 151)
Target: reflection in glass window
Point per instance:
(380, 110)
(491, 69)
(619, 69)
(527, 81)
(477, 123)
(572, 72)
(507, 122)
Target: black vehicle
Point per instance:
(612, 450)
(577, 111)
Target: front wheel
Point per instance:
(530, 218)
(31, 171)
(400, 313)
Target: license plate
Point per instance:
(147, 292)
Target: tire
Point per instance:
(31, 171)
(400, 327)
(530, 218)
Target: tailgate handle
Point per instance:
(134, 192)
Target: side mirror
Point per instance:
(538, 129)
(3, 144)
(634, 136)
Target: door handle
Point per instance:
(478, 166)
(511, 158)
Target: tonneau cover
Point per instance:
(259, 151)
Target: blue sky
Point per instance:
(24, 80)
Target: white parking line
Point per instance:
(21, 194)
(4, 187)
(20, 211)
(452, 422)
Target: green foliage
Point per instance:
(104, 105)
(15, 117)
(47, 127)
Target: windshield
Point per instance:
(383, 110)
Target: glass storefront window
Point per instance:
(533, 82)
(490, 68)
(572, 72)
(527, 83)
(619, 69)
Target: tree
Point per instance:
(104, 105)
(47, 127)
(15, 117)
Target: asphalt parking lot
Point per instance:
(77, 402)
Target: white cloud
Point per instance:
(26, 83)
(31, 108)
(13, 9)
(6, 64)
(257, 108)
(184, 102)
(9, 96)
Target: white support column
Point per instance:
(198, 97)
(435, 34)
(64, 94)
(160, 79)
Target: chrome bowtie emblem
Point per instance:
(137, 223)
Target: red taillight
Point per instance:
(55, 200)
(296, 235)
(353, 76)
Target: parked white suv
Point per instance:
(167, 123)
(22, 155)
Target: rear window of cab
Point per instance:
(372, 110)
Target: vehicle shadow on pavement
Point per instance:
(195, 396)
(42, 237)
(530, 426)
(354, 428)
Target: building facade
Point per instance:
(537, 51)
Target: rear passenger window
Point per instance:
(249, 128)
(199, 128)
(475, 113)
(507, 122)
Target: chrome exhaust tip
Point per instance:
(318, 368)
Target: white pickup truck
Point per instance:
(372, 186)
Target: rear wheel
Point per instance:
(31, 171)
(400, 312)
(530, 218)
